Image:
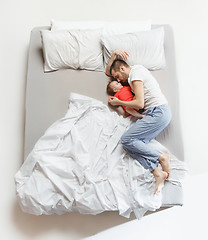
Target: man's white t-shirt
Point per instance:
(153, 96)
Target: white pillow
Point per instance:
(126, 27)
(109, 27)
(60, 50)
(145, 48)
(88, 37)
(72, 49)
(90, 49)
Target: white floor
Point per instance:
(176, 223)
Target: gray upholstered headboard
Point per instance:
(47, 93)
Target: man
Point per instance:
(148, 96)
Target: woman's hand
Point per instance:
(123, 54)
(114, 101)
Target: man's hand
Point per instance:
(114, 101)
(123, 54)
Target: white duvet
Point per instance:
(80, 165)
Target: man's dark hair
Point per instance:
(117, 63)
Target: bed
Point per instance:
(48, 97)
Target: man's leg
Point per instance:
(144, 130)
(160, 177)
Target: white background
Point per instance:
(188, 19)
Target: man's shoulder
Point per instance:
(138, 71)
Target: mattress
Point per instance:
(47, 100)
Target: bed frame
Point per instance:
(47, 99)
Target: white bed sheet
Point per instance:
(80, 165)
(182, 223)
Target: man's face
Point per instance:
(121, 76)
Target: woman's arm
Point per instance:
(123, 54)
(137, 103)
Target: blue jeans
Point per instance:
(135, 139)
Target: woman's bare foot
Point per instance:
(164, 161)
(160, 177)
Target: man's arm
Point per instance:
(123, 54)
(134, 113)
(137, 103)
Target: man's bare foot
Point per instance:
(164, 161)
(160, 177)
